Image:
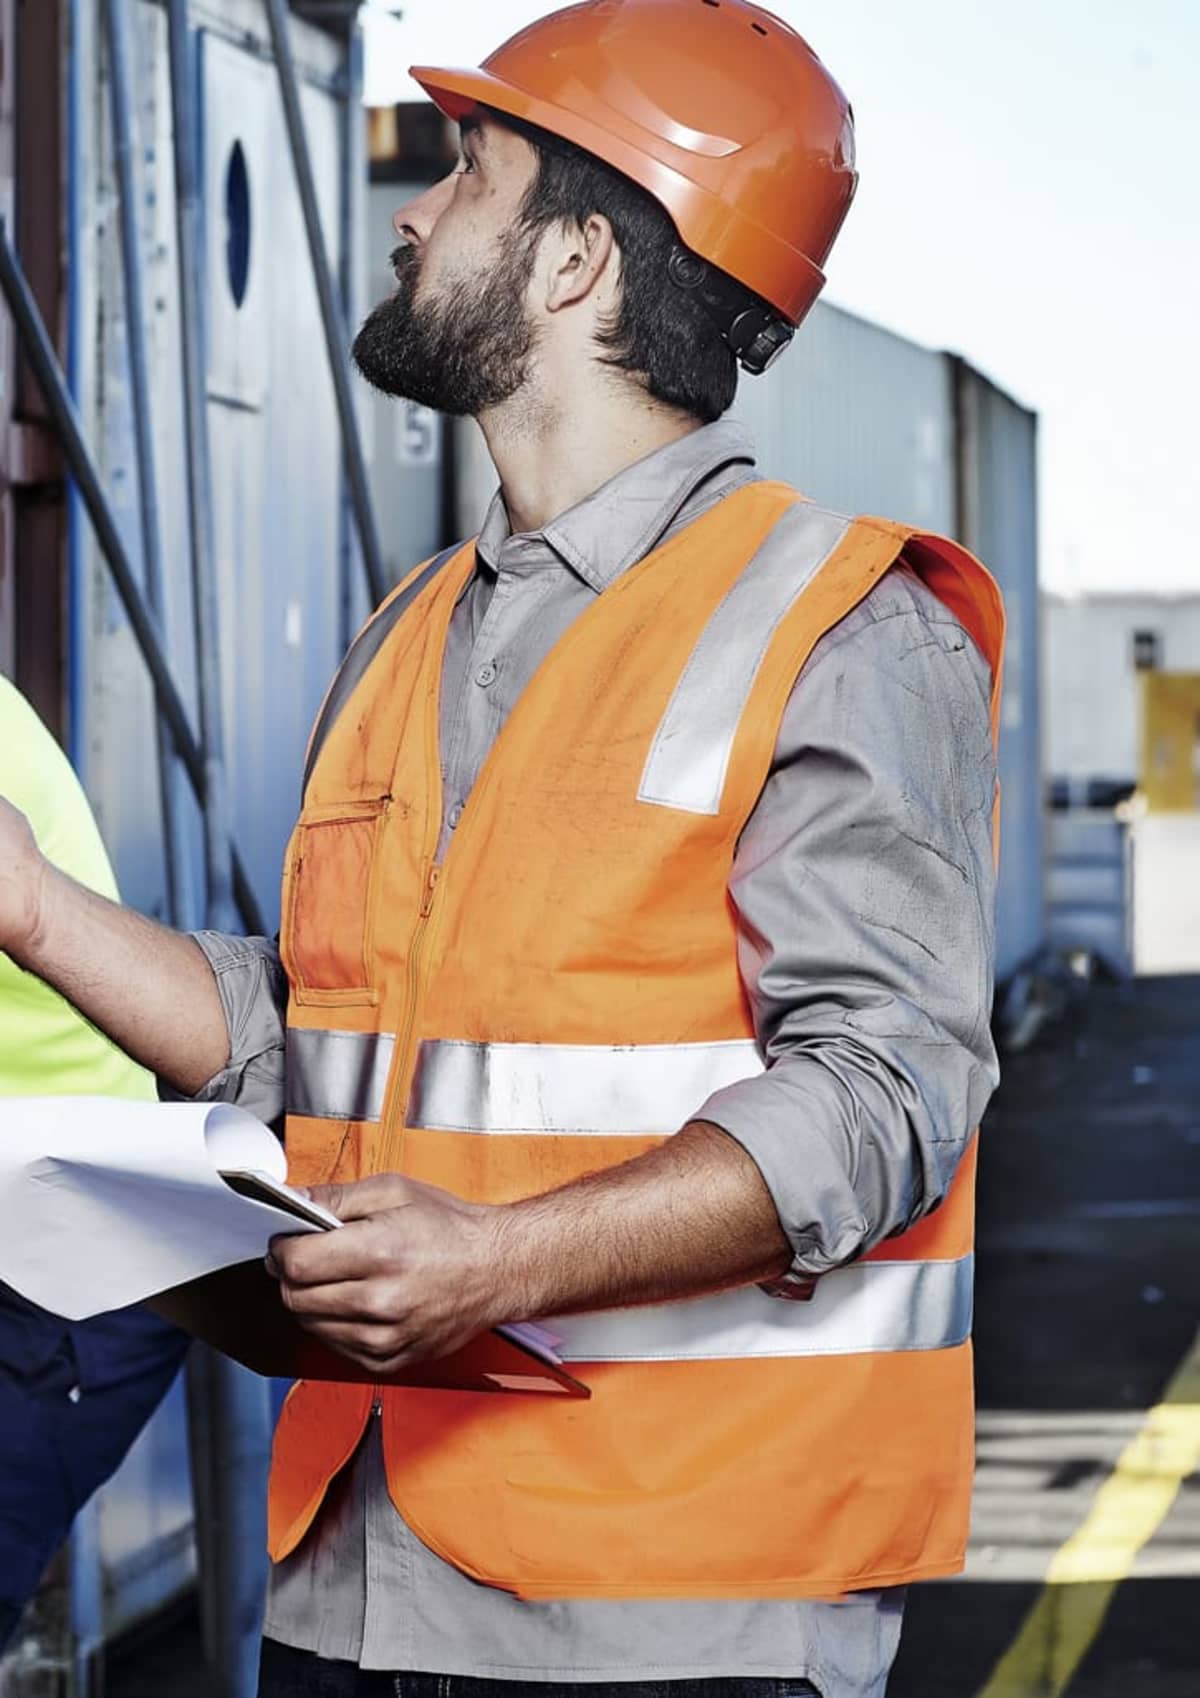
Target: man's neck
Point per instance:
(550, 458)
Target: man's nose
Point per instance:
(414, 221)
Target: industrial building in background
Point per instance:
(1123, 774)
(1108, 658)
(187, 541)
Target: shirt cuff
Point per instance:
(253, 990)
(778, 1122)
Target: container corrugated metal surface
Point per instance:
(997, 448)
(404, 440)
(859, 419)
(866, 422)
(279, 528)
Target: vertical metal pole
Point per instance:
(220, 908)
(228, 1408)
(116, 21)
(229, 1432)
(331, 319)
(352, 194)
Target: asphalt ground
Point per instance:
(1088, 1301)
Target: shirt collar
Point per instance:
(619, 523)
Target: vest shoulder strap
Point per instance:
(362, 652)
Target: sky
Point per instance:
(1029, 197)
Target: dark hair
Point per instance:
(659, 332)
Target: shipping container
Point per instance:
(406, 443)
(996, 458)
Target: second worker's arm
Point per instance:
(149, 988)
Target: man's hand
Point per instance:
(22, 881)
(417, 1272)
(410, 1276)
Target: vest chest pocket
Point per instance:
(327, 938)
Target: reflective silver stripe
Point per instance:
(689, 756)
(571, 1089)
(337, 1075)
(869, 1306)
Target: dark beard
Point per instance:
(462, 354)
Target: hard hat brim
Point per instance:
(790, 281)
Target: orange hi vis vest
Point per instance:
(561, 994)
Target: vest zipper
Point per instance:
(431, 872)
(403, 1064)
(403, 1071)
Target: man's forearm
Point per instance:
(416, 1272)
(692, 1216)
(148, 987)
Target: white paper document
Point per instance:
(105, 1202)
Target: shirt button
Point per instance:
(486, 674)
(455, 814)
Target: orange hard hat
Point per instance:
(720, 111)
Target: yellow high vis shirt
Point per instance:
(46, 1047)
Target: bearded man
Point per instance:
(636, 948)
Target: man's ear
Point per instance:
(578, 257)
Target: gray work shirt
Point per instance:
(863, 887)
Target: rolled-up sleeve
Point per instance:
(863, 887)
(254, 991)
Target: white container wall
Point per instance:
(859, 419)
(997, 457)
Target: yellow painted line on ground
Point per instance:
(1085, 1572)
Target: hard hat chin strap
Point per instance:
(756, 334)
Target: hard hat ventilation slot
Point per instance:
(758, 29)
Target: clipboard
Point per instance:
(237, 1310)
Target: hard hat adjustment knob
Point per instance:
(752, 329)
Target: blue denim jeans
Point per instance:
(287, 1673)
(73, 1397)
